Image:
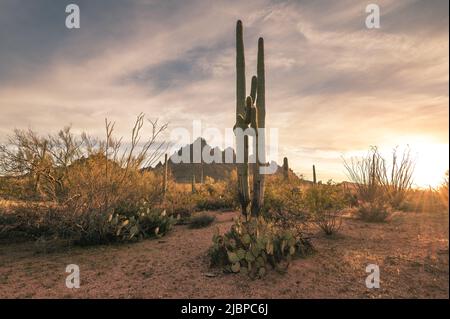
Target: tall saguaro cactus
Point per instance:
(243, 181)
(247, 113)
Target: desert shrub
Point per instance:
(428, 200)
(376, 180)
(373, 212)
(84, 228)
(443, 191)
(350, 198)
(408, 205)
(53, 165)
(251, 247)
(180, 204)
(366, 174)
(97, 188)
(283, 201)
(325, 203)
(217, 195)
(201, 220)
(208, 202)
(16, 188)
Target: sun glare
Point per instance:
(432, 161)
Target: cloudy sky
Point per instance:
(333, 87)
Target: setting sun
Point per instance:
(431, 163)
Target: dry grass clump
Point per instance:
(373, 212)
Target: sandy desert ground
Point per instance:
(411, 251)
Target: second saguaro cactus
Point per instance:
(193, 190)
(285, 168)
(249, 114)
(165, 176)
(314, 175)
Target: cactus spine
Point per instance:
(247, 113)
(314, 175)
(285, 168)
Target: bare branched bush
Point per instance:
(366, 174)
(376, 181)
(399, 181)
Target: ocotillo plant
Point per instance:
(285, 168)
(314, 175)
(249, 114)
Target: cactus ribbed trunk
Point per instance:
(242, 168)
(258, 178)
(314, 175)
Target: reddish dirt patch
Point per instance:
(411, 250)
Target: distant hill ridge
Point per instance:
(182, 172)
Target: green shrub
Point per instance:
(373, 212)
(325, 204)
(252, 246)
(180, 204)
(202, 220)
(86, 228)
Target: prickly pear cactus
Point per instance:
(253, 247)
